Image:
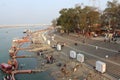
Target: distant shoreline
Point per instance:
(13, 27)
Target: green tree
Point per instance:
(66, 19)
(89, 17)
(72, 19)
(111, 14)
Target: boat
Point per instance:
(11, 66)
(24, 39)
(27, 31)
(13, 51)
(14, 64)
(6, 67)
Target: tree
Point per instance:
(67, 19)
(89, 17)
(54, 23)
(73, 19)
(111, 15)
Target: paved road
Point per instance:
(92, 53)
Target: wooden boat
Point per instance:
(14, 64)
(11, 66)
(24, 39)
(6, 67)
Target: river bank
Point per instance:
(62, 68)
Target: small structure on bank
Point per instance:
(101, 66)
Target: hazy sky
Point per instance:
(38, 11)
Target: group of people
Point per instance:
(50, 59)
(110, 37)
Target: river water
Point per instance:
(6, 37)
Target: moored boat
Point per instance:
(24, 39)
(6, 67)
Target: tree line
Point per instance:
(88, 18)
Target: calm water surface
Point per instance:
(6, 36)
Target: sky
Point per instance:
(38, 11)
